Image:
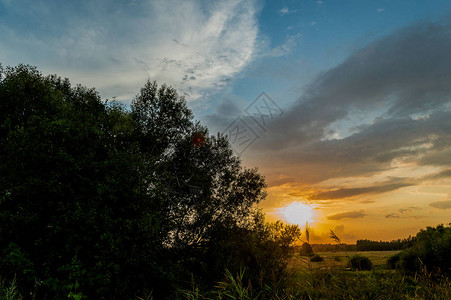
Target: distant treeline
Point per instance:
(367, 245)
(399, 244)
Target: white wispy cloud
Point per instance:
(285, 11)
(195, 47)
(286, 48)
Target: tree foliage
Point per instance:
(430, 253)
(262, 248)
(399, 244)
(98, 200)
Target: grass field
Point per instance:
(331, 279)
(338, 259)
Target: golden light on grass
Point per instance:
(297, 213)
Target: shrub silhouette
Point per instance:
(359, 262)
(429, 253)
(316, 258)
(393, 261)
(306, 249)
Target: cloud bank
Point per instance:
(387, 106)
(351, 192)
(195, 46)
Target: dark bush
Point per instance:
(306, 249)
(405, 261)
(430, 252)
(262, 249)
(316, 258)
(393, 261)
(359, 262)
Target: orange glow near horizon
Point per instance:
(297, 213)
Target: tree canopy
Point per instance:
(99, 200)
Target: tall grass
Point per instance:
(334, 284)
(8, 290)
(337, 240)
(338, 284)
(313, 284)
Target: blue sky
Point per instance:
(318, 35)
(363, 87)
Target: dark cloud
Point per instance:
(351, 192)
(226, 112)
(408, 71)
(443, 174)
(349, 214)
(367, 201)
(392, 216)
(437, 158)
(409, 209)
(228, 108)
(438, 175)
(399, 88)
(276, 180)
(441, 204)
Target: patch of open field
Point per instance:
(338, 259)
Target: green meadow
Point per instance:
(334, 260)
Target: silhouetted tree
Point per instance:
(430, 253)
(100, 201)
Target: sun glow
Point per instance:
(297, 213)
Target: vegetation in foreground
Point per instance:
(342, 277)
(335, 284)
(310, 284)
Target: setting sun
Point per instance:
(297, 213)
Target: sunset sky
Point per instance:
(353, 130)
